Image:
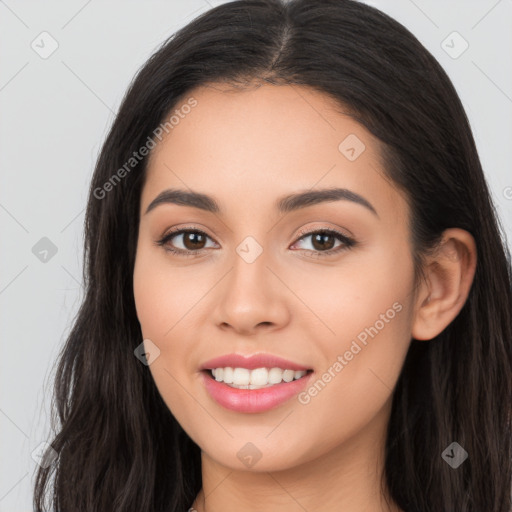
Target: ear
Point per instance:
(449, 273)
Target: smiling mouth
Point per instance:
(258, 378)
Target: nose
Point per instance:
(252, 298)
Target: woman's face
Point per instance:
(258, 284)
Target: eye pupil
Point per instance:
(320, 238)
(193, 236)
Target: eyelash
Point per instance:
(347, 241)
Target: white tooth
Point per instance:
(259, 376)
(288, 375)
(250, 386)
(228, 375)
(254, 386)
(275, 376)
(241, 376)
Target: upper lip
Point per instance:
(251, 362)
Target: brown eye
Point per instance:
(192, 240)
(323, 242)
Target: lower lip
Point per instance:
(253, 400)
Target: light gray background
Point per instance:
(55, 113)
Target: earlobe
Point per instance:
(449, 274)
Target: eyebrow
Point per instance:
(285, 204)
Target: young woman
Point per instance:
(298, 294)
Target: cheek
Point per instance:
(166, 301)
(369, 313)
(162, 295)
(355, 383)
(159, 303)
(366, 288)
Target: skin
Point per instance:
(246, 148)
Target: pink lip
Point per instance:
(251, 362)
(252, 400)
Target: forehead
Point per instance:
(246, 145)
